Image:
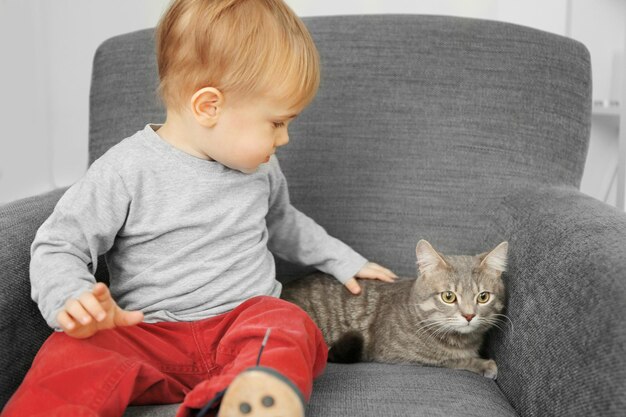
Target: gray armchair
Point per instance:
(463, 132)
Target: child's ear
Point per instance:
(206, 104)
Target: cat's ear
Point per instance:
(428, 259)
(496, 259)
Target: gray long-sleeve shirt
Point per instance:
(185, 238)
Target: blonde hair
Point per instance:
(237, 46)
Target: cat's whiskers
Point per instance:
(425, 329)
(441, 330)
(445, 329)
(497, 317)
(491, 323)
(440, 325)
(496, 321)
(429, 323)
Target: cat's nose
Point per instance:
(469, 317)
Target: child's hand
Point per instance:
(371, 270)
(93, 311)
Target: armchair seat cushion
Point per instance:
(377, 390)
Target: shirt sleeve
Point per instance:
(82, 226)
(297, 238)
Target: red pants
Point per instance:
(164, 363)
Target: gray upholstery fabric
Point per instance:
(22, 328)
(375, 390)
(566, 353)
(460, 131)
(421, 123)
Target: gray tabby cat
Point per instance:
(438, 319)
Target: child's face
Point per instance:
(248, 131)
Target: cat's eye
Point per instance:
(483, 297)
(448, 297)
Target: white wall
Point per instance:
(23, 103)
(552, 17)
(46, 52)
(47, 47)
(600, 25)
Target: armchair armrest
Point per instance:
(566, 284)
(22, 328)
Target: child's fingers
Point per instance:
(371, 273)
(65, 321)
(103, 295)
(128, 318)
(353, 286)
(384, 270)
(92, 305)
(380, 275)
(76, 311)
(101, 292)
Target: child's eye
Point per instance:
(278, 125)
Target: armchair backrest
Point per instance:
(420, 125)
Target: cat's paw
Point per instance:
(489, 369)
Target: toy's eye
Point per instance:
(245, 408)
(268, 401)
(448, 297)
(483, 297)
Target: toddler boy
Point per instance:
(187, 213)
